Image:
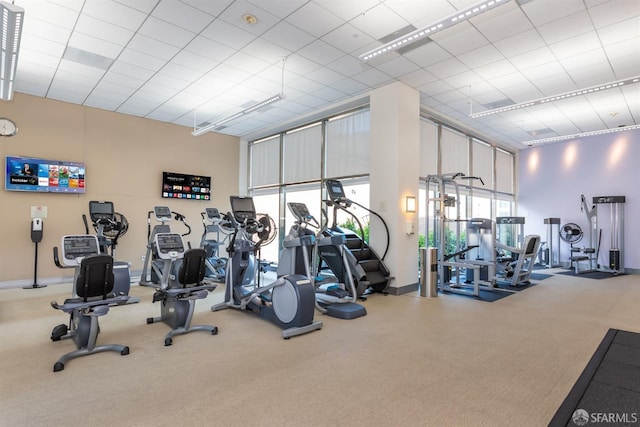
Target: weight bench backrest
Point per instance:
(95, 278)
(532, 244)
(193, 267)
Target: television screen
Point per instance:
(181, 186)
(54, 176)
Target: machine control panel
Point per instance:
(169, 245)
(76, 247)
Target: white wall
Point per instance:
(552, 177)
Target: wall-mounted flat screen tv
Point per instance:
(182, 186)
(42, 175)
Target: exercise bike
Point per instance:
(333, 298)
(181, 285)
(92, 296)
(288, 302)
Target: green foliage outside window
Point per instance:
(350, 224)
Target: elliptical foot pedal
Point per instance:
(58, 332)
(346, 311)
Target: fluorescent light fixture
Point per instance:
(251, 109)
(12, 19)
(560, 97)
(421, 33)
(580, 135)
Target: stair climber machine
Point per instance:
(153, 264)
(109, 226)
(289, 301)
(214, 225)
(332, 298)
(368, 270)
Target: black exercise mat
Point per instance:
(485, 295)
(591, 274)
(608, 390)
(539, 276)
(507, 286)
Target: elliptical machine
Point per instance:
(154, 265)
(213, 223)
(288, 302)
(333, 298)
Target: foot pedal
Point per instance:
(58, 332)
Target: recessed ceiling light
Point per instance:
(249, 18)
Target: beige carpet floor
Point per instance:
(447, 361)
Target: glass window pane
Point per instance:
(302, 154)
(265, 162)
(347, 145)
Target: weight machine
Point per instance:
(615, 206)
(549, 257)
(476, 256)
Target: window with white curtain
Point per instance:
(504, 171)
(455, 152)
(302, 154)
(265, 162)
(482, 164)
(428, 148)
(347, 145)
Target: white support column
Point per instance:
(395, 164)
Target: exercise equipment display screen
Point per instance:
(243, 208)
(335, 190)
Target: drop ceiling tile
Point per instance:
(130, 75)
(398, 67)
(502, 22)
(320, 52)
(116, 13)
(210, 49)
(540, 13)
(447, 68)
(428, 54)
(350, 86)
(183, 15)
(347, 10)
(418, 78)
(102, 30)
(315, 20)
(613, 12)
(244, 62)
(464, 39)
(140, 60)
(166, 32)
(194, 61)
(575, 45)
(542, 71)
(419, 15)
(566, 28)
(625, 66)
(33, 57)
(621, 31)
(522, 92)
(379, 21)
(495, 70)
(372, 78)
(349, 38)
(224, 33)
(35, 29)
(434, 88)
(555, 84)
(347, 65)
(592, 75)
(325, 76)
(287, 36)
(534, 58)
(481, 56)
(520, 43)
(152, 47)
(266, 51)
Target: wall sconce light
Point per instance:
(410, 204)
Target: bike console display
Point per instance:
(169, 245)
(77, 247)
(101, 211)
